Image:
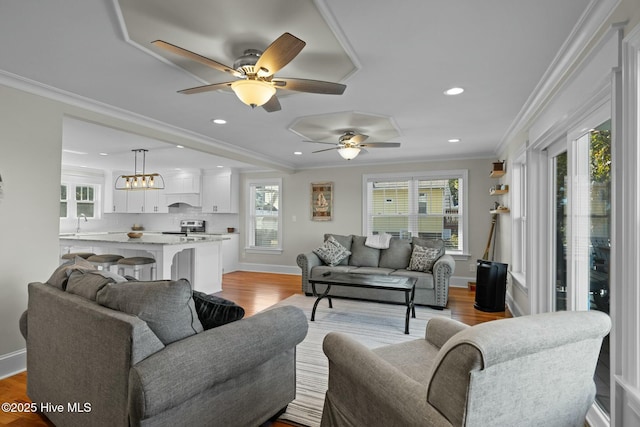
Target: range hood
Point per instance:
(175, 200)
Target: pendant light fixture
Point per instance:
(140, 181)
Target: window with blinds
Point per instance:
(427, 206)
(265, 217)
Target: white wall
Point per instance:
(30, 150)
(302, 235)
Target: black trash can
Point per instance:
(491, 285)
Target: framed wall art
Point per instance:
(321, 201)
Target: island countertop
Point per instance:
(205, 271)
(147, 238)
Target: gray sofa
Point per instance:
(432, 289)
(82, 353)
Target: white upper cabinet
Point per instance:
(220, 192)
(182, 183)
(155, 201)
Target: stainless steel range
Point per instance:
(189, 226)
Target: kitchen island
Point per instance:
(205, 254)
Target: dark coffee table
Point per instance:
(390, 283)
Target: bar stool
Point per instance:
(72, 255)
(137, 264)
(104, 261)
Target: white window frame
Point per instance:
(250, 223)
(64, 184)
(461, 174)
(94, 202)
(519, 240)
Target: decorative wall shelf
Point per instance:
(496, 174)
(499, 211)
(498, 192)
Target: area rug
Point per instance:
(372, 324)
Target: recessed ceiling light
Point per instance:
(219, 166)
(219, 121)
(104, 154)
(298, 153)
(454, 91)
(179, 146)
(454, 140)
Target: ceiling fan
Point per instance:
(256, 84)
(350, 144)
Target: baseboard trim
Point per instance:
(13, 363)
(460, 282)
(269, 268)
(514, 308)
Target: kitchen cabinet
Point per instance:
(119, 201)
(230, 248)
(135, 200)
(155, 201)
(182, 183)
(220, 192)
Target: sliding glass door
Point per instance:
(581, 231)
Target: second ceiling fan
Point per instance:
(256, 84)
(350, 144)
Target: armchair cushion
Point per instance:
(331, 251)
(61, 274)
(87, 283)
(167, 306)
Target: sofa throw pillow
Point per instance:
(422, 259)
(344, 241)
(214, 311)
(331, 252)
(429, 243)
(61, 274)
(167, 306)
(87, 283)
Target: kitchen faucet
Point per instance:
(85, 220)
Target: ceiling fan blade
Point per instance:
(321, 142)
(272, 105)
(195, 57)
(326, 149)
(381, 144)
(278, 54)
(358, 138)
(311, 86)
(205, 88)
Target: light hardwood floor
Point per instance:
(254, 292)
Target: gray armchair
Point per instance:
(81, 353)
(527, 371)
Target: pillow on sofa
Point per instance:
(87, 283)
(61, 274)
(166, 306)
(397, 256)
(429, 243)
(215, 311)
(331, 252)
(362, 255)
(422, 259)
(344, 241)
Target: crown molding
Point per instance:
(574, 46)
(40, 89)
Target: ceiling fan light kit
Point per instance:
(140, 181)
(255, 70)
(349, 153)
(350, 144)
(254, 93)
